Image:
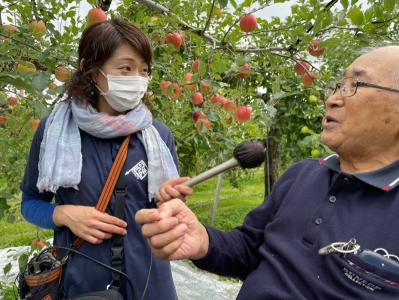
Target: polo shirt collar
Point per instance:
(385, 178)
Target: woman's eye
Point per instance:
(127, 68)
(144, 70)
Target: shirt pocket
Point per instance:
(384, 283)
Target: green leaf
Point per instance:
(17, 82)
(7, 268)
(202, 68)
(356, 15)
(3, 206)
(222, 3)
(40, 81)
(22, 261)
(389, 5)
(345, 4)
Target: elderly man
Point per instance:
(329, 229)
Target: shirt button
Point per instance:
(318, 221)
(118, 146)
(332, 199)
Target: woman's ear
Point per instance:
(81, 64)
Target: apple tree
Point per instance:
(223, 72)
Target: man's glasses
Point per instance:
(348, 87)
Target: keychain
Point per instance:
(387, 261)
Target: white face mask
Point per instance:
(124, 92)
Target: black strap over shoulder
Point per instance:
(117, 240)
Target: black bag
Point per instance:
(101, 295)
(41, 277)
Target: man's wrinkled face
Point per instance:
(369, 119)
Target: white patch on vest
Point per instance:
(139, 170)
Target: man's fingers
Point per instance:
(166, 240)
(168, 250)
(144, 216)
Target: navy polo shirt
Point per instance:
(313, 204)
(80, 274)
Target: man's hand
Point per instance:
(171, 189)
(88, 223)
(173, 231)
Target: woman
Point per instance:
(73, 151)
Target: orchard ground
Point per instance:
(190, 284)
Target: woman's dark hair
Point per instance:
(97, 44)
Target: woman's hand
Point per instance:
(88, 223)
(171, 189)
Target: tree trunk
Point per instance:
(272, 162)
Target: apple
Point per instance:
(26, 67)
(217, 99)
(308, 80)
(195, 66)
(9, 29)
(62, 74)
(164, 87)
(315, 153)
(205, 88)
(305, 129)
(14, 132)
(243, 113)
(196, 115)
(33, 123)
(38, 28)
(312, 99)
(205, 128)
(154, 19)
(187, 78)
(96, 15)
(38, 242)
(174, 39)
(217, 12)
(12, 100)
(245, 67)
(300, 67)
(3, 119)
(52, 86)
(229, 106)
(158, 37)
(313, 48)
(248, 23)
(197, 98)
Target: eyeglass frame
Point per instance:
(360, 83)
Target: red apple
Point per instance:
(164, 86)
(158, 36)
(217, 12)
(177, 92)
(96, 15)
(174, 39)
(187, 78)
(12, 100)
(216, 98)
(33, 123)
(205, 88)
(307, 80)
(245, 67)
(229, 106)
(248, 23)
(197, 98)
(38, 242)
(38, 28)
(62, 74)
(313, 48)
(243, 113)
(14, 132)
(199, 126)
(195, 66)
(300, 67)
(9, 29)
(3, 119)
(196, 115)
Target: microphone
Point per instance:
(248, 154)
